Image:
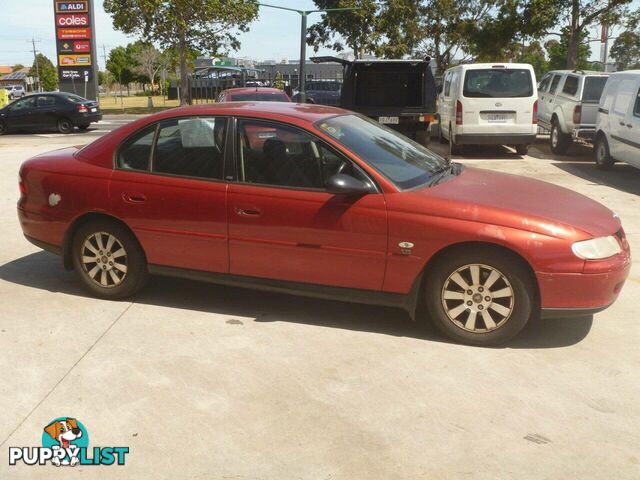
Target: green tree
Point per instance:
(558, 52)
(354, 29)
(534, 54)
(186, 25)
(119, 64)
(17, 66)
(48, 73)
(626, 48)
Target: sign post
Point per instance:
(76, 47)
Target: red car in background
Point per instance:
(253, 94)
(331, 204)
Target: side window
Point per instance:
(24, 104)
(135, 152)
(554, 83)
(624, 98)
(544, 83)
(190, 147)
(447, 84)
(46, 102)
(274, 154)
(636, 108)
(571, 85)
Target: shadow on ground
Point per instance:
(44, 271)
(622, 177)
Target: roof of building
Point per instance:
(4, 69)
(18, 76)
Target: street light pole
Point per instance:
(302, 83)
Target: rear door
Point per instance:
(284, 225)
(628, 144)
(46, 114)
(623, 134)
(498, 100)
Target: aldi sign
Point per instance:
(76, 47)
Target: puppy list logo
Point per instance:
(65, 443)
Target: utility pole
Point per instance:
(35, 61)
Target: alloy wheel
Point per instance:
(104, 259)
(554, 136)
(478, 298)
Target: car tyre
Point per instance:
(109, 260)
(559, 141)
(602, 155)
(455, 148)
(492, 303)
(3, 128)
(522, 149)
(65, 126)
(83, 127)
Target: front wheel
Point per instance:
(109, 260)
(3, 128)
(479, 297)
(601, 153)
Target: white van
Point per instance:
(489, 104)
(618, 123)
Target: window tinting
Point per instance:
(25, 104)
(190, 147)
(274, 154)
(405, 162)
(135, 152)
(593, 87)
(571, 85)
(554, 83)
(46, 101)
(498, 83)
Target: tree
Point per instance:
(17, 66)
(558, 53)
(207, 25)
(574, 18)
(48, 73)
(534, 54)
(150, 61)
(626, 48)
(119, 64)
(354, 29)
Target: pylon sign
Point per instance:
(76, 48)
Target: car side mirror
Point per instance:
(342, 184)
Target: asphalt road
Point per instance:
(202, 381)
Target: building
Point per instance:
(20, 77)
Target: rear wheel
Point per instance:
(65, 126)
(522, 149)
(560, 142)
(455, 148)
(479, 296)
(109, 260)
(602, 155)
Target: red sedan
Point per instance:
(328, 204)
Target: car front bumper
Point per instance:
(496, 139)
(579, 294)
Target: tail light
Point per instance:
(577, 114)
(534, 117)
(23, 188)
(82, 109)
(458, 112)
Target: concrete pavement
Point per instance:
(202, 381)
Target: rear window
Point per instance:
(389, 86)
(259, 97)
(75, 98)
(571, 85)
(498, 83)
(593, 87)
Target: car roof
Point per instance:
(253, 90)
(473, 66)
(582, 72)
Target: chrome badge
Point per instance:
(405, 247)
(54, 199)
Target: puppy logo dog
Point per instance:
(65, 431)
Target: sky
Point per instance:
(273, 36)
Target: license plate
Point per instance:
(497, 118)
(93, 110)
(389, 120)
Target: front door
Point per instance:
(626, 138)
(284, 225)
(168, 188)
(22, 113)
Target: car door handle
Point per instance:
(134, 197)
(248, 212)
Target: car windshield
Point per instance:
(498, 83)
(406, 163)
(593, 87)
(259, 97)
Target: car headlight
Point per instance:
(597, 248)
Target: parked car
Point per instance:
(569, 105)
(618, 125)
(62, 111)
(15, 91)
(398, 93)
(331, 205)
(489, 104)
(321, 92)
(253, 94)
